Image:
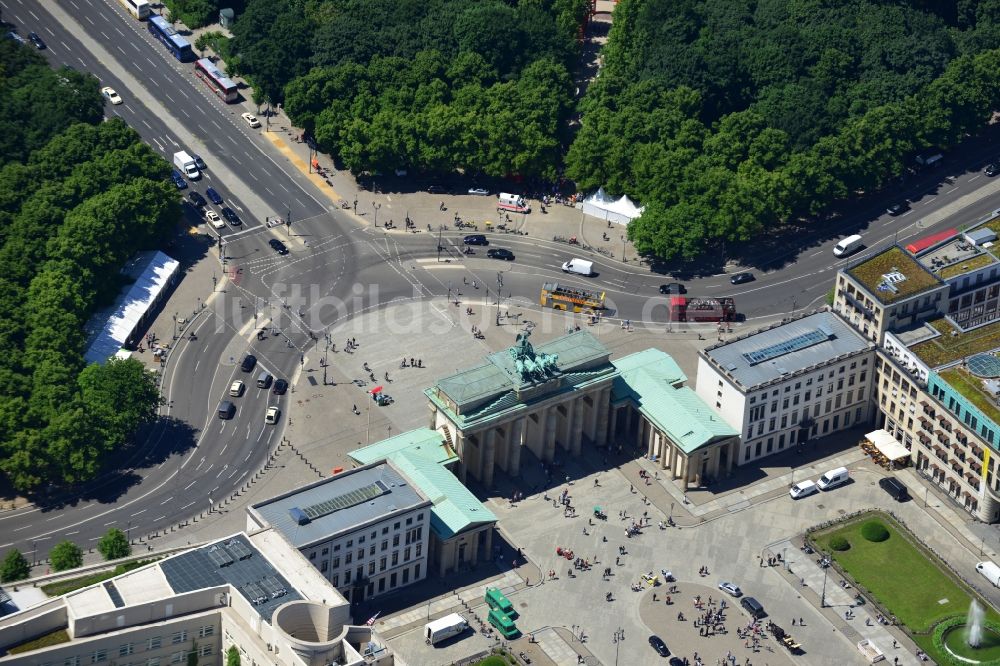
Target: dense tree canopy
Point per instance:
(78, 198)
(430, 85)
(729, 117)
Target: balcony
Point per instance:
(868, 313)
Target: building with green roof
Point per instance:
(567, 394)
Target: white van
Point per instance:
(579, 266)
(847, 246)
(513, 203)
(990, 571)
(445, 627)
(833, 478)
(803, 489)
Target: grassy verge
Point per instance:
(66, 586)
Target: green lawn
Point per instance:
(492, 660)
(47, 640)
(901, 577)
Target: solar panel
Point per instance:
(238, 550)
(345, 501)
(254, 593)
(984, 365)
(798, 343)
(219, 557)
(272, 586)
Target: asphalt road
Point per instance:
(189, 455)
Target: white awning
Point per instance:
(887, 445)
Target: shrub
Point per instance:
(839, 543)
(874, 531)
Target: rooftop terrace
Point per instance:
(971, 387)
(916, 278)
(947, 348)
(966, 265)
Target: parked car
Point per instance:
(111, 95)
(277, 246)
(249, 361)
(479, 191)
(657, 644)
(251, 120)
(740, 278)
(231, 216)
(895, 488)
(803, 489)
(437, 189)
(178, 179)
(280, 386)
(500, 253)
(36, 40)
(475, 239)
(213, 196)
(197, 199)
(272, 416)
(214, 219)
(753, 607)
(673, 288)
(992, 170)
(732, 589)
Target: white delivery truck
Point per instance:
(186, 165)
(513, 203)
(579, 266)
(833, 478)
(847, 246)
(445, 627)
(990, 571)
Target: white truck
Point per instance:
(513, 203)
(990, 571)
(186, 165)
(445, 627)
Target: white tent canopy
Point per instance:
(887, 445)
(620, 211)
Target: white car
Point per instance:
(251, 120)
(479, 191)
(111, 95)
(236, 388)
(803, 489)
(272, 415)
(214, 219)
(731, 589)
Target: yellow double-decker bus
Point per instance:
(561, 297)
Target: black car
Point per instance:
(676, 661)
(197, 199)
(280, 386)
(476, 239)
(249, 361)
(230, 216)
(36, 40)
(198, 162)
(277, 246)
(895, 489)
(437, 189)
(992, 170)
(657, 644)
(673, 288)
(500, 253)
(896, 209)
(740, 278)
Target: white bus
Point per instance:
(139, 9)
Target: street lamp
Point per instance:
(325, 355)
(128, 532)
(175, 326)
(617, 640)
(822, 599)
(376, 206)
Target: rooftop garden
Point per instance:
(971, 389)
(870, 272)
(45, 640)
(947, 348)
(962, 267)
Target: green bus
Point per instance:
(504, 624)
(497, 601)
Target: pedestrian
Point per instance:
(793, 621)
(894, 644)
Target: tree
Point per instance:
(114, 545)
(232, 656)
(66, 555)
(15, 566)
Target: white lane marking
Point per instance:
(138, 512)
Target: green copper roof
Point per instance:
(455, 508)
(576, 351)
(423, 441)
(655, 384)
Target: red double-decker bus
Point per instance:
(702, 309)
(221, 85)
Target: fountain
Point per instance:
(974, 625)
